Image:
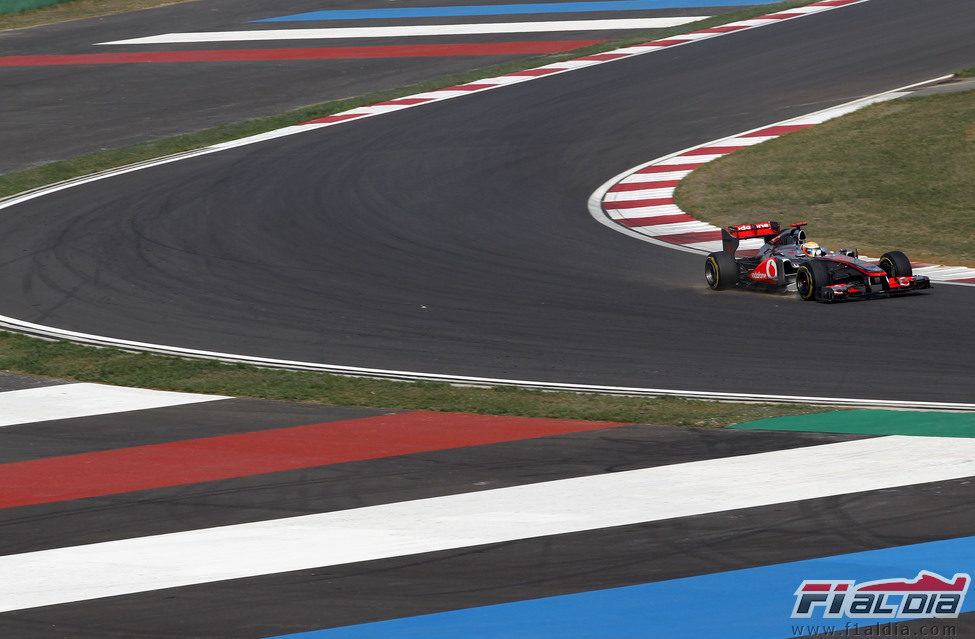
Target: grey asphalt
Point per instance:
(475, 576)
(454, 238)
(56, 112)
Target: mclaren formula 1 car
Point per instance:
(787, 259)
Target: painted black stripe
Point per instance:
(496, 573)
(54, 438)
(372, 482)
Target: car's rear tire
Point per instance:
(810, 278)
(721, 271)
(895, 264)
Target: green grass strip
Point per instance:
(22, 14)
(21, 354)
(16, 6)
(873, 422)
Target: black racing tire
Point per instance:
(810, 278)
(721, 271)
(895, 264)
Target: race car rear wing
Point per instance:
(731, 236)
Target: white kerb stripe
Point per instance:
(571, 505)
(413, 30)
(83, 400)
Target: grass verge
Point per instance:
(20, 354)
(75, 10)
(17, 182)
(896, 175)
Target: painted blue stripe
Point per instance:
(754, 603)
(508, 9)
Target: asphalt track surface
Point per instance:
(454, 238)
(57, 112)
(397, 587)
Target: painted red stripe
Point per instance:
(667, 43)
(780, 16)
(724, 29)
(781, 129)
(642, 186)
(404, 101)
(667, 168)
(967, 280)
(321, 53)
(335, 118)
(199, 460)
(468, 87)
(659, 219)
(605, 56)
(535, 72)
(637, 204)
(833, 3)
(713, 150)
(690, 238)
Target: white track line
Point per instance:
(83, 400)
(127, 566)
(414, 30)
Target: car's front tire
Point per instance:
(720, 271)
(895, 264)
(810, 278)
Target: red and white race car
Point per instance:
(788, 258)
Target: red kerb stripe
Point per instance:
(535, 72)
(637, 204)
(642, 186)
(668, 168)
(404, 101)
(334, 118)
(653, 221)
(781, 129)
(713, 150)
(605, 56)
(468, 87)
(199, 460)
(690, 238)
(724, 29)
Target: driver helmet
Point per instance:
(812, 249)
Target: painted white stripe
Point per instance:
(751, 141)
(645, 194)
(646, 211)
(703, 159)
(415, 30)
(585, 503)
(83, 400)
(680, 227)
(645, 177)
